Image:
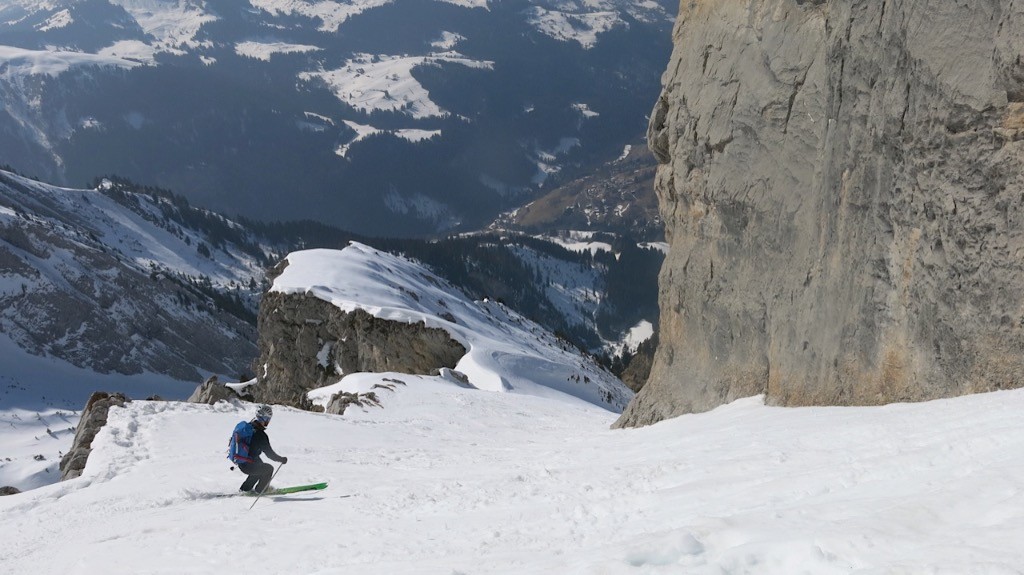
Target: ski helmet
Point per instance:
(264, 413)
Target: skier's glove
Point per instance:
(284, 460)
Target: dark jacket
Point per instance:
(261, 444)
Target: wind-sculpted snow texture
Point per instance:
(497, 349)
(842, 191)
(453, 480)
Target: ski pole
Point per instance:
(260, 494)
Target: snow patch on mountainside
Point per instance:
(331, 14)
(660, 246)
(570, 287)
(447, 41)
(579, 241)
(372, 83)
(585, 110)
(364, 131)
(468, 3)
(264, 50)
(582, 21)
(173, 23)
(16, 63)
(57, 20)
(582, 28)
(416, 135)
(133, 50)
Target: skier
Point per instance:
(247, 457)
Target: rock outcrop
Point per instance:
(842, 187)
(306, 343)
(94, 417)
(211, 391)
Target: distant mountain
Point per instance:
(617, 197)
(120, 282)
(310, 337)
(386, 117)
(127, 279)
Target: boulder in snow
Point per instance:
(94, 417)
(212, 391)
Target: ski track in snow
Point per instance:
(451, 480)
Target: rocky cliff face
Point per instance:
(842, 188)
(306, 343)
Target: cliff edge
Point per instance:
(842, 189)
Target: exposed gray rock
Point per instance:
(842, 189)
(639, 369)
(453, 376)
(212, 391)
(9, 490)
(306, 343)
(94, 417)
(341, 401)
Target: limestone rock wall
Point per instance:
(307, 343)
(842, 187)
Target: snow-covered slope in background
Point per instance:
(505, 351)
(17, 63)
(448, 480)
(110, 281)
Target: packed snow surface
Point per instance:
(451, 480)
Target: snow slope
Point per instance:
(505, 351)
(141, 240)
(18, 63)
(40, 399)
(371, 82)
(112, 281)
(449, 480)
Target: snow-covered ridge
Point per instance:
(18, 62)
(505, 352)
(173, 23)
(114, 281)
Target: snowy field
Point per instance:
(449, 480)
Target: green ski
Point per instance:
(295, 489)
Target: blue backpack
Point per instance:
(238, 445)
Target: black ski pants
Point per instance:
(259, 474)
